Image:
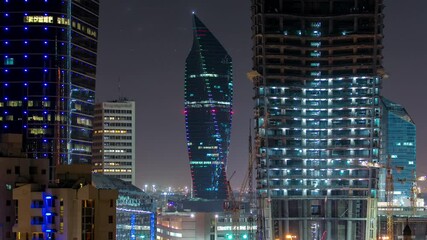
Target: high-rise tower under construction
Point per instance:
(317, 77)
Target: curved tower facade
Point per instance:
(208, 112)
(48, 52)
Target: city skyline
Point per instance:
(153, 69)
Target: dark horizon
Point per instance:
(145, 45)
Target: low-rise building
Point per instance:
(135, 209)
(70, 209)
(16, 170)
(204, 226)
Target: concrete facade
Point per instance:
(70, 209)
(114, 139)
(16, 170)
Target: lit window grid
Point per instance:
(306, 178)
(115, 143)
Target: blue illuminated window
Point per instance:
(8, 61)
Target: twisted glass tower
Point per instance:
(208, 112)
(317, 77)
(48, 52)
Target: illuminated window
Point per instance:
(84, 121)
(38, 19)
(78, 107)
(35, 118)
(8, 61)
(14, 103)
(315, 54)
(46, 103)
(9, 118)
(37, 131)
(30, 103)
(82, 148)
(315, 44)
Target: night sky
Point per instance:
(142, 48)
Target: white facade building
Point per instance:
(114, 139)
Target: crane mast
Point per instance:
(389, 199)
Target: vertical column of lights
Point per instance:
(9, 62)
(152, 226)
(132, 227)
(46, 110)
(315, 32)
(313, 153)
(26, 96)
(218, 165)
(67, 82)
(48, 214)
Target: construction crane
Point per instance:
(247, 186)
(234, 205)
(252, 203)
(414, 189)
(389, 195)
(389, 191)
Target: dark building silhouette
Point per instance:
(208, 112)
(317, 78)
(48, 52)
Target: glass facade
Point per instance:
(399, 141)
(48, 65)
(317, 71)
(135, 210)
(208, 112)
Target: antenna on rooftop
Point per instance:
(119, 89)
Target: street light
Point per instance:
(215, 225)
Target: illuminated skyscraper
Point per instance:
(317, 78)
(48, 52)
(114, 139)
(208, 112)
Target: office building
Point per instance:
(317, 72)
(399, 143)
(71, 209)
(208, 112)
(114, 139)
(48, 52)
